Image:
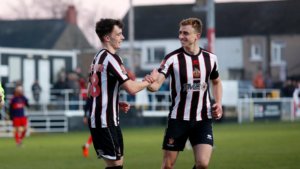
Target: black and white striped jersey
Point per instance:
(189, 83)
(107, 73)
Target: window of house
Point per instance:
(155, 54)
(277, 53)
(256, 52)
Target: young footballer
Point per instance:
(190, 69)
(107, 76)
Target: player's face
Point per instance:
(116, 37)
(188, 36)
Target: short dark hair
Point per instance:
(105, 26)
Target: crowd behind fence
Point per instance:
(64, 102)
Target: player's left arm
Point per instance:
(217, 111)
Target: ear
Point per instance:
(198, 35)
(106, 38)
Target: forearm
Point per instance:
(153, 87)
(157, 84)
(217, 91)
(132, 87)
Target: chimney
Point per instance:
(71, 15)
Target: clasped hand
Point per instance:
(152, 77)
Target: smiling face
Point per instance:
(115, 38)
(188, 36)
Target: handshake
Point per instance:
(152, 77)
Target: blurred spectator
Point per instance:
(258, 80)
(82, 83)
(296, 99)
(288, 88)
(72, 83)
(268, 81)
(58, 88)
(36, 92)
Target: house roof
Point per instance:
(41, 34)
(232, 19)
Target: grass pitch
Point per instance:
(273, 145)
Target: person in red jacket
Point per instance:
(17, 114)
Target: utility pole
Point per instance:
(208, 6)
(131, 37)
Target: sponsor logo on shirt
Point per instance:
(195, 86)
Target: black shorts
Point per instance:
(108, 142)
(178, 131)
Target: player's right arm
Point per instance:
(132, 87)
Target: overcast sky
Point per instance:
(117, 8)
(89, 11)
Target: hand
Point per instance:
(85, 120)
(217, 111)
(149, 79)
(152, 77)
(124, 106)
(154, 74)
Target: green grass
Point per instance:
(272, 145)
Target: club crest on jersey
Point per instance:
(196, 73)
(188, 87)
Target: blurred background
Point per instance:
(47, 47)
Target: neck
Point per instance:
(192, 50)
(109, 48)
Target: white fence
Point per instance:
(52, 116)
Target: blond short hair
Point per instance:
(194, 22)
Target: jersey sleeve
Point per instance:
(165, 66)
(116, 67)
(215, 71)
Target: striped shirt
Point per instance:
(107, 73)
(189, 83)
